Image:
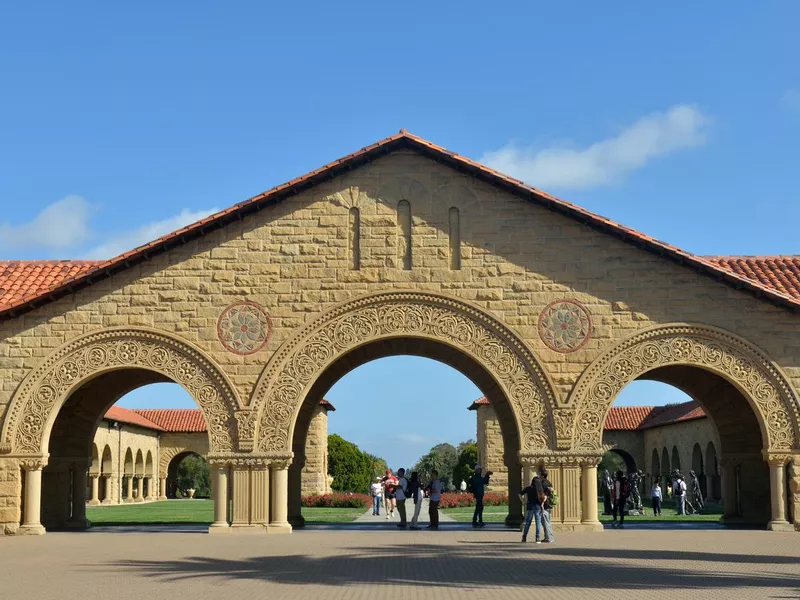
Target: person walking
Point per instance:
(479, 483)
(435, 490)
(463, 486)
(655, 496)
(549, 500)
(401, 494)
(376, 489)
(679, 493)
(619, 495)
(415, 491)
(534, 497)
(389, 485)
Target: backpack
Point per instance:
(679, 489)
(624, 489)
(553, 497)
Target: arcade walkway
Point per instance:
(444, 565)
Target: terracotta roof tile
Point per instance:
(125, 415)
(176, 419)
(482, 401)
(24, 279)
(781, 273)
(627, 418)
(48, 290)
(674, 413)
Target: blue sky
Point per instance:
(121, 122)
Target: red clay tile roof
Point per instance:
(781, 273)
(24, 279)
(125, 415)
(632, 418)
(327, 405)
(674, 413)
(403, 140)
(176, 419)
(627, 418)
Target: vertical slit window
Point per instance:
(404, 219)
(455, 240)
(355, 239)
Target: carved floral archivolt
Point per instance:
(296, 366)
(775, 403)
(45, 389)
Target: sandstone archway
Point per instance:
(766, 389)
(455, 324)
(35, 405)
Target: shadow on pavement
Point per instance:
(476, 565)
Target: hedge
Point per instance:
(337, 500)
(451, 500)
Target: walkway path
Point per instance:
(368, 517)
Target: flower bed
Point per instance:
(337, 500)
(453, 500)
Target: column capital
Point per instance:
(33, 463)
(257, 460)
(777, 459)
(565, 459)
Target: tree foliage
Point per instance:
(467, 459)
(350, 467)
(612, 462)
(379, 465)
(193, 473)
(442, 458)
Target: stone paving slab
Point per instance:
(424, 519)
(377, 565)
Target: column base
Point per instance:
(78, 525)
(31, 530)
(248, 529)
(138, 499)
(162, 498)
(297, 522)
(279, 528)
(127, 501)
(93, 503)
(780, 526)
(219, 529)
(590, 527)
(514, 520)
(107, 501)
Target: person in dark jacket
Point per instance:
(619, 496)
(547, 524)
(479, 483)
(534, 497)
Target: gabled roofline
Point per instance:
(399, 141)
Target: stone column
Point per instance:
(589, 495)
(219, 492)
(777, 492)
(259, 495)
(280, 498)
(78, 519)
(129, 489)
(162, 488)
(515, 514)
(794, 488)
(150, 495)
(730, 510)
(107, 481)
(31, 524)
(570, 495)
(709, 487)
(140, 489)
(95, 499)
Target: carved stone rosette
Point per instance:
(298, 363)
(775, 402)
(44, 390)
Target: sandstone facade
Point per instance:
(358, 261)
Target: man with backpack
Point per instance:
(619, 496)
(550, 500)
(679, 493)
(479, 483)
(401, 492)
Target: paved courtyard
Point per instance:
(378, 562)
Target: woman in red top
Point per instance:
(389, 500)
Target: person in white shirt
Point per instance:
(415, 491)
(377, 496)
(401, 493)
(655, 496)
(436, 488)
(679, 493)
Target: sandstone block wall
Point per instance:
(315, 472)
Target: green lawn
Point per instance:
(491, 514)
(198, 512)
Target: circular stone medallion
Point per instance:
(244, 327)
(565, 325)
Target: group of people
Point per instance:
(621, 488)
(539, 498)
(392, 491)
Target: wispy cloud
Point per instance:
(61, 225)
(791, 100)
(411, 438)
(604, 162)
(127, 240)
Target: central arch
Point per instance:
(436, 321)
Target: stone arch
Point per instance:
(148, 464)
(676, 459)
(655, 465)
(756, 377)
(107, 461)
(138, 467)
(94, 466)
(128, 465)
(666, 467)
(44, 390)
(630, 462)
(299, 362)
(167, 454)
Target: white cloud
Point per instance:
(791, 100)
(411, 438)
(125, 241)
(62, 224)
(604, 162)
